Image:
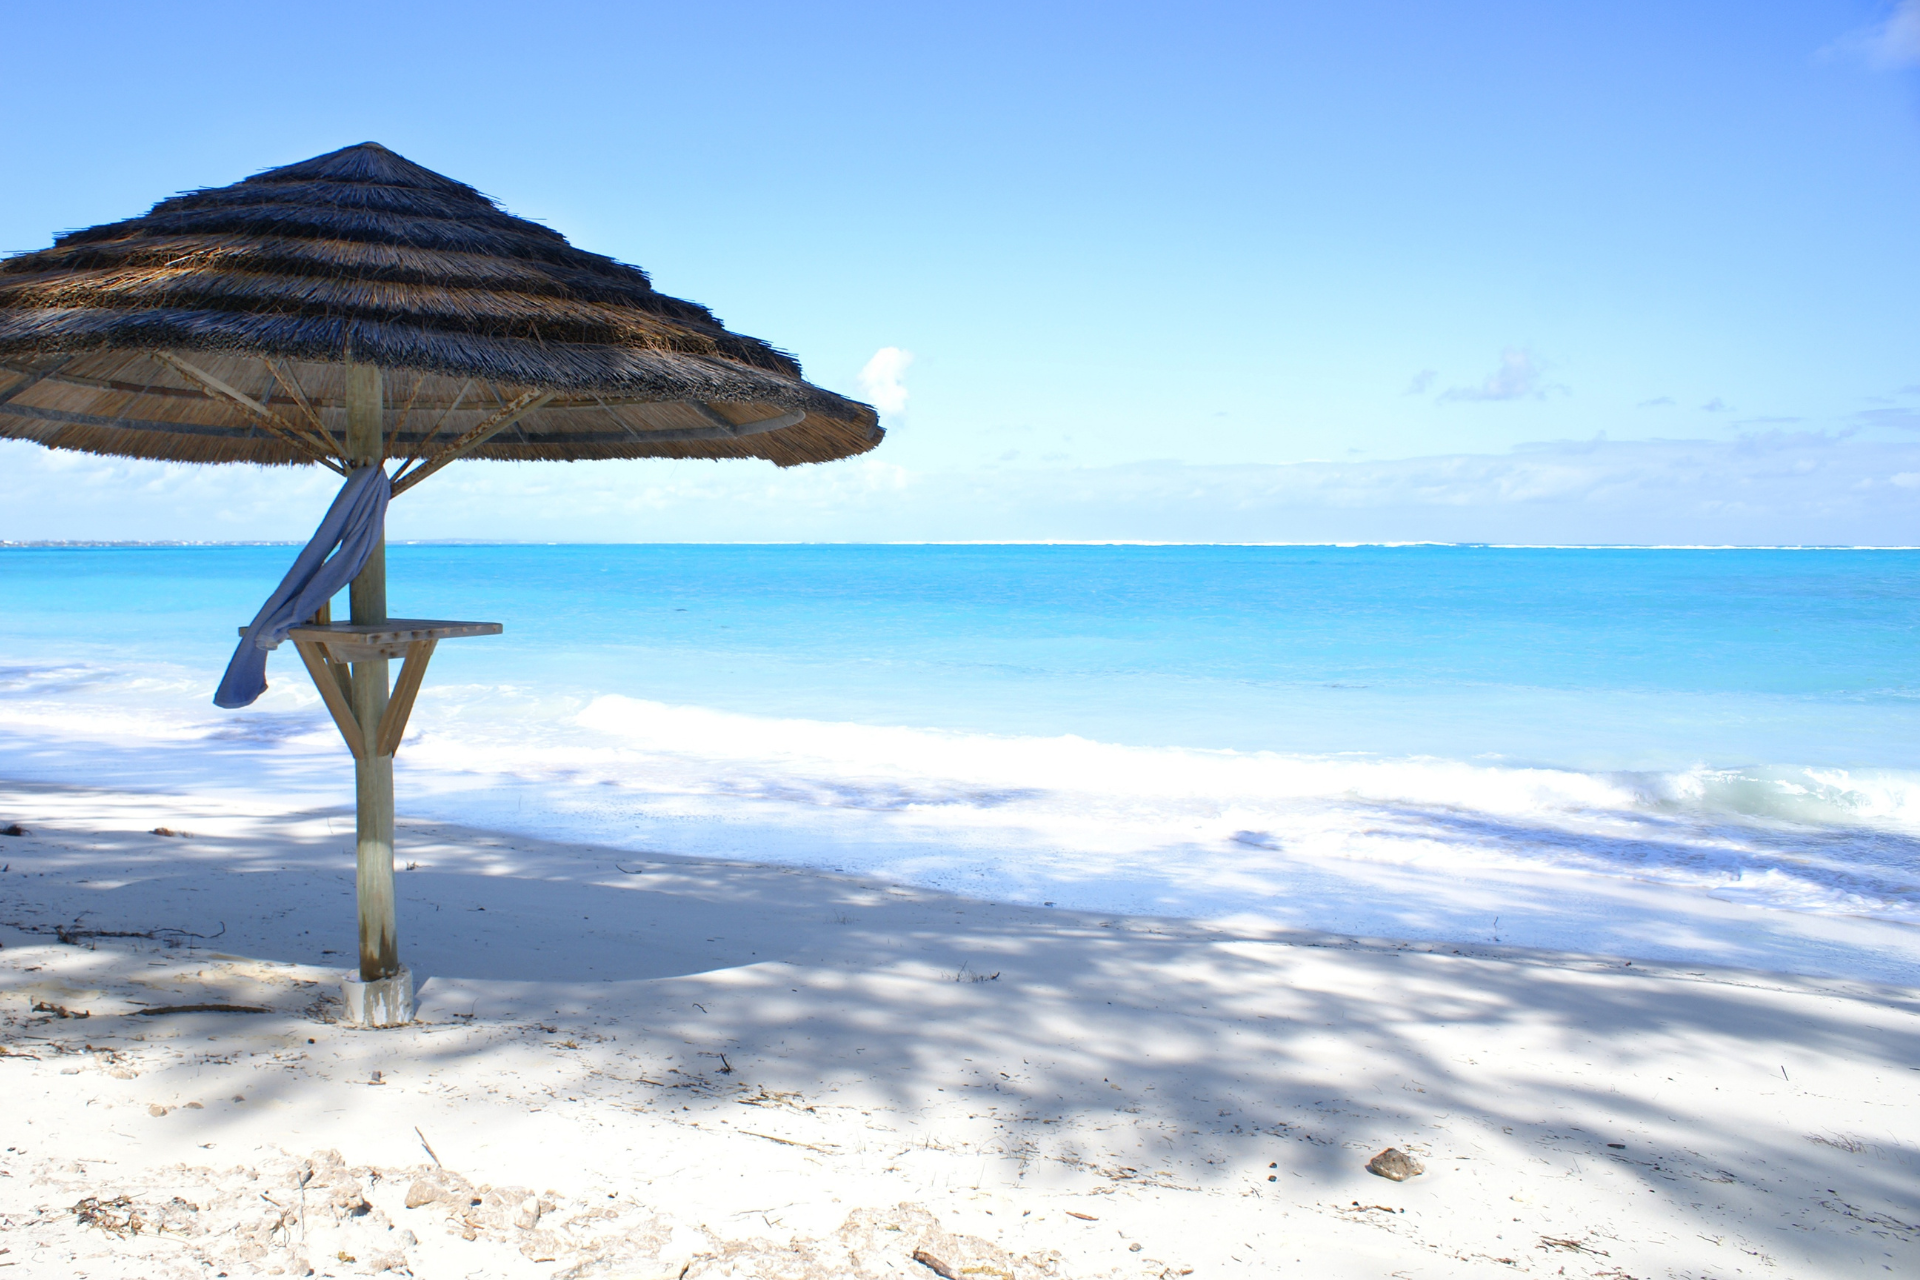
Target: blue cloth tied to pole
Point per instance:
(353, 527)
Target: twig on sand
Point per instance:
(427, 1145)
(60, 1011)
(70, 934)
(159, 1009)
(617, 867)
(785, 1142)
(204, 937)
(1571, 1246)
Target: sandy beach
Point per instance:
(1314, 677)
(664, 1066)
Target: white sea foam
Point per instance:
(1832, 840)
(1414, 846)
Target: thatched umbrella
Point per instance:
(358, 310)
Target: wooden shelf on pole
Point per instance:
(329, 648)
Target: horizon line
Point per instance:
(1354, 544)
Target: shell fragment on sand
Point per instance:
(1395, 1164)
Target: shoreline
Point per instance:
(1363, 869)
(711, 1067)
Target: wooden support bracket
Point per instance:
(393, 721)
(330, 677)
(328, 649)
(331, 680)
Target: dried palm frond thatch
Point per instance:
(219, 328)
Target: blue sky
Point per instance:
(1288, 249)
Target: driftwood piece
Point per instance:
(935, 1265)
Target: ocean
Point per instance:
(1694, 754)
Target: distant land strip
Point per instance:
(76, 542)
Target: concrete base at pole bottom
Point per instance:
(387, 1002)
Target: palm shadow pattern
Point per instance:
(1067, 1052)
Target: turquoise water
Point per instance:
(1743, 722)
(1626, 659)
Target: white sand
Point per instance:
(714, 1068)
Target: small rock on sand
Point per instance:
(425, 1192)
(1395, 1164)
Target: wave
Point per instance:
(1810, 840)
(1068, 820)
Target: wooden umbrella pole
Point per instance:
(372, 768)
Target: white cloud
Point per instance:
(1517, 378)
(1899, 416)
(1896, 42)
(1768, 489)
(1420, 381)
(883, 380)
(1888, 45)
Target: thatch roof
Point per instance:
(218, 328)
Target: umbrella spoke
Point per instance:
(266, 417)
(419, 450)
(508, 414)
(292, 388)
